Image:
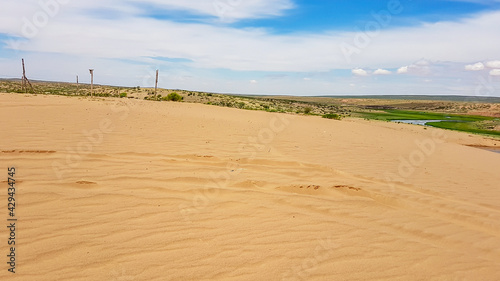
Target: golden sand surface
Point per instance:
(121, 189)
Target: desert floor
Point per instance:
(119, 189)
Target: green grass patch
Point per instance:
(394, 114)
(469, 127)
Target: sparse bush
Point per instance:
(332, 116)
(123, 95)
(173, 97)
(307, 110)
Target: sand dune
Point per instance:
(136, 190)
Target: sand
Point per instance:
(111, 189)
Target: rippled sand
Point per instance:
(137, 190)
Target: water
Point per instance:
(496, 150)
(418, 122)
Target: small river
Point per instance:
(419, 122)
(496, 150)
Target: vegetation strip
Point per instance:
(455, 114)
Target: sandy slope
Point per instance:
(137, 190)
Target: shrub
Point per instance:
(173, 97)
(307, 110)
(332, 116)
(123, 95)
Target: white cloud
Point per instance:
(475, 67)
(227, 10)
(381, 72)
(495, 72)
(403, 70)
(422, 63)
(359, 72)
(223, 10)
(253, 81)
(493, 64)
(307, 79)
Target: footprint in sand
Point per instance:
(85, 182)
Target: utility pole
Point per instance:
(77, 85)
(91, 82)
(156, 84)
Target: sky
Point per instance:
(277, 47)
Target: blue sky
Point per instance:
(349, 15)
(286, 47)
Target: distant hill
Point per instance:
(423, 97)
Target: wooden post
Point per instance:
(91, 82)
(26, 82)
(24, 86)
(77, 84)
(156, 84)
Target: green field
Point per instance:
(469, 127)
(394, 114)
